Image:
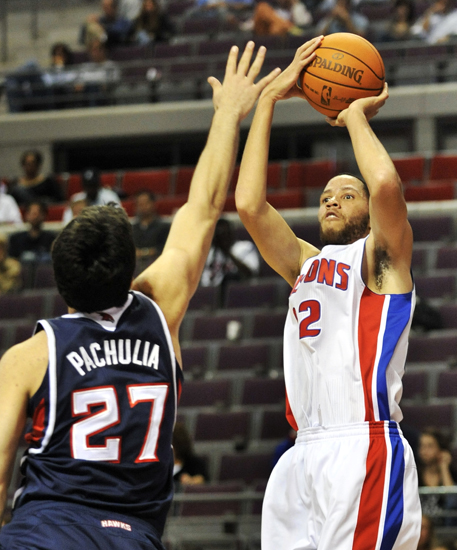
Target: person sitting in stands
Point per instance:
(438, 23)
(149, 231)
(400, 23)
(281, 18)
(152, 24)
(435, 470)
(189, 469)
(93, 193)
(229, 260)
(342, 18)
(9, 210)
(10, 269)
(33, 245)
(108, 27)
(33, 184)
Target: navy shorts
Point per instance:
(55, 526)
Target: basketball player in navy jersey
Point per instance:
(350, 481)
(102, 382)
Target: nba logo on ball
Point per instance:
(346, 67)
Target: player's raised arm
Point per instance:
(275, 240)
(389, 247)
(173, 278)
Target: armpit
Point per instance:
(382, 262)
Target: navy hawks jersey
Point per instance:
(104, 414)
(344, 345)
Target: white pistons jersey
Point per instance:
(344, 345)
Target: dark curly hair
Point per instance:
(94, 259)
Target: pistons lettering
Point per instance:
(326, 272)
(350, 72)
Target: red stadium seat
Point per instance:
(55, 212)
(167, 206)
(290, 198)
(443, 167)
(310, 174)
(410, 168)
(130, 207)
(430, 192)
(157, 181)
(183, 179)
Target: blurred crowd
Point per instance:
(88, 75)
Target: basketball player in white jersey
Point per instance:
(101, 383)
(350, 481)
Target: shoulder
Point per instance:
(25, 364)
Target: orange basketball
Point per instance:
(346, 67)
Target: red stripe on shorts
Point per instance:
(370, 507)
(369, 323)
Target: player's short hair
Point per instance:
(94, 259)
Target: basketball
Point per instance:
(346, 67)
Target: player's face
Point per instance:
(343, 212)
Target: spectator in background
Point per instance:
(96, 79)
(129, 9)
(10, 269)
(438, 23)
(152, 24)
(229, 260)
(109, 27)
(93, 193)
(9, 210)
(400, 24)
(235, 13)
(280, 18)
(427, 534)
(33, 184)
(189, 469)
(445, 544)
(435, 470)
(34, 244)
(341, 17)
(149, 231)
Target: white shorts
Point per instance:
(344, 488)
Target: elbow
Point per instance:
(247, 207)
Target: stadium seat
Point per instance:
(263, 391)
(268, 325)
(411, 168)
(213, 327)
(157, 181)
(274, 425)
(447, 257)
(447, 384)
(241, 295)
(436, 347)
(167, 206)
(223, 426)
(55, 212)
(443, 167)
(449, 315)
(27, 305)
(130, 207)
(249, 468)
(436, 286)
(212, 507)
(434, 191)
(205, 298)
(194, 358)
(206, 393)
(290, 198)
(415, 385)
(22, 331)
(310, 174)
(425, 416)
(183, 179)
(308, 231)
(243, 357)
(432, 228)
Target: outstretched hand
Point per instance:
(285, 85)
(239, 91)
(368, 105)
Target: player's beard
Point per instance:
(352, 231)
